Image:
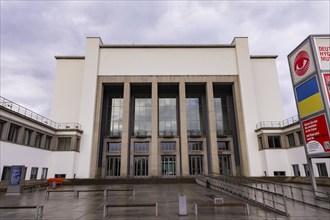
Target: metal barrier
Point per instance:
(254, 195)
(296, 193)
(277, 124)
(32, 115)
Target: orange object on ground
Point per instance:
(59, 181)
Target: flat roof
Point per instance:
(69, 57)
(167, 46)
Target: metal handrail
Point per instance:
(295, 193)
(35, 116)
(278, 124)
(268, 200)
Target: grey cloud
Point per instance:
(33, 32)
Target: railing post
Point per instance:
(302, 194)
(291, 193)
(284, 203)
(263, 198)
(273, 201)
(275, 188)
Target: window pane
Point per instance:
(168, 146)
(141, 146)
(142, 117)
(296, 171)
(167, 116)
(274, 141)
(13, 132)
(64, 143)
(168, 165)
(322, 169)
(116, 115)
(195, 145)
(193, 114)
(223, 145)
(113, 166)
(195, 165)
(114, 147)
(27, 137)
(141, 166)
(34, 173)
(291, 140)
(221, 112)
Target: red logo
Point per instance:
(301, 63)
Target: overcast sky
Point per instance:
(33, 32)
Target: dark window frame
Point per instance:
(273, 141)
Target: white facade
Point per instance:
(77, 98)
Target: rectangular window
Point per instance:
(44, 173)
(261, 143)
(292, 142)
(279, 173)
(168, 165)
(116, 116)
(13, 133)
(77, 144)
(221, 114)
(34, 173)
(27, 136)
(322, 169)
(300, 137)
(224, 165)
(142, 117)
(274, 141)
(168, 145)
(24, 173)
(141, 166)
(167, 117)
(195, 145)
(6, 173)
(141, 146)
(296, 170)
(193, 116)
(64, 143)
(196, 165)
(2, 128)
(223, 145)
(114, 147)
(38, 140)
(113, 166)
(60, 176)
(307, 170)
(48, 143)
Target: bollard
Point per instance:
(182, 205)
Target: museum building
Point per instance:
(140, 111)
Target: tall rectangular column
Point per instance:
(154, 129)
(183, 130)
(125, 134)
(212, 129)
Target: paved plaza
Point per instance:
(89, 205)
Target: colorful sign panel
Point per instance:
(309, 98)
(326, 80)
(322, 45)
(15, 177)
(302, 63)
(316, 135)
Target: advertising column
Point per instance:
(310, 73)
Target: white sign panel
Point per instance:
(322, 45)
(302, 63)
